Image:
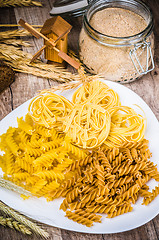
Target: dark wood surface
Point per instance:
(26, 86)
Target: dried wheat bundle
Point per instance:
(20, 61)
(16, 42)
(13, 34)
(14, 3)
(23, 220)
(10, 222)
(13, 53)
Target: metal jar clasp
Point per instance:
(149, 57)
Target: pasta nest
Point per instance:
(49, 109)
(126, 125)
(96, 92)
(88, 125)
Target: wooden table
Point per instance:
(26, 86)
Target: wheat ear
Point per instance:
(23, 220)
(13, 34)
(14, 3)
(10, 222)
(20, 62)
(17, 25)
(13, 187)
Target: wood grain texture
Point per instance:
(6, 100)
(26, 86)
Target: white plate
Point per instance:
(49, 213)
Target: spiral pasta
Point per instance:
(151, 195)
(111, 188)
(120, 210)
(35, 157)
(78, 218)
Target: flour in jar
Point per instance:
(117, 22)
(112, 62)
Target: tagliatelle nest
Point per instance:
(88, 125)
(49, 109)
(96, 92)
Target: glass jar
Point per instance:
(117, 58)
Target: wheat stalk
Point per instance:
(20, 62)
(23, 220)
(14, 3)
(11, 186)
(16, 42)
(70, 85)
(10, 222)
(63, 87)
(17, 25)
(13, 34)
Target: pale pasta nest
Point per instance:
(94, 116)
(89, 125)
(49, 109)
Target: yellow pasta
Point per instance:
(48, 109)
(23, 125)
(96, 92)
(36, 157)
(126, 125)
(88, 125)
(94, 116)
(79, 153)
